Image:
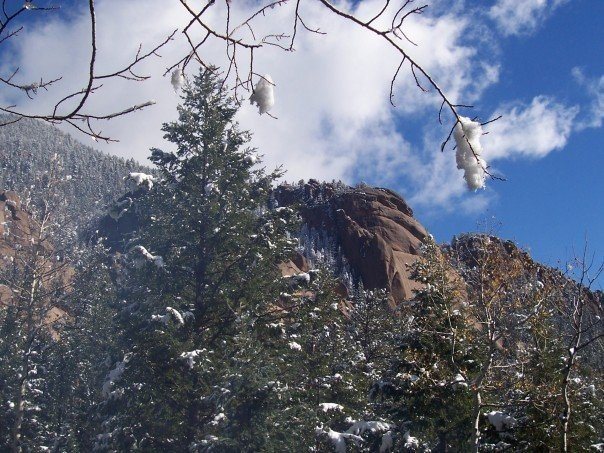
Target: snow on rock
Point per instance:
(114, 375)
(501, 421)
(326, 407)
(467, 135)
(141, 179)
(263, 95)
(142, 256)
(178, 79)
(295, 346)
(298, 279)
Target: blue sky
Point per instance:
(550, 205)
(537, 62)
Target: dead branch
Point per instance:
(76, 116)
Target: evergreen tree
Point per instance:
(426, 383)
(86, 342)
(34, 280)
(199, 279)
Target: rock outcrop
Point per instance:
(466, 250)
(17, 232)
(15, 223)
(374, 228)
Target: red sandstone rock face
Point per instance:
(15, 225)
(374, 227)
(17, 232)
(14, 228)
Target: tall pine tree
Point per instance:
(199, 278)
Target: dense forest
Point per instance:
(192, 338)
(31, 153)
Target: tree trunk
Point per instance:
(478, 398)
(20, 403)
(19, 413)
(572, 356)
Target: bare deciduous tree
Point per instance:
(72, 108)
(584, 327)
(242, 41)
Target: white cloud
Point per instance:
(594, 88)
(331, 95)
(530, 131)
(517, 17)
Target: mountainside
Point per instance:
(211, 309)
(367, 234)
(88, 179)
(373, 228)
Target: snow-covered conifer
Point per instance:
(192, 320)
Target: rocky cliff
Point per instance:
(19, 252)
(373, 228)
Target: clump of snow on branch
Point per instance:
(120, 208)
(209, 188)
(326, 407)
(264, 95)
(295, 346)
(141, 179)
(501, 421)
(142, 256)
(338, 440)
(354, 433)
(171, 313)
(114, 375)
(190, 356)
(28, 5)
(468, 152)
(251, 158)
(373, 426)
(410, 441)
(176, 315)
(459, 382)
(177, 80)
